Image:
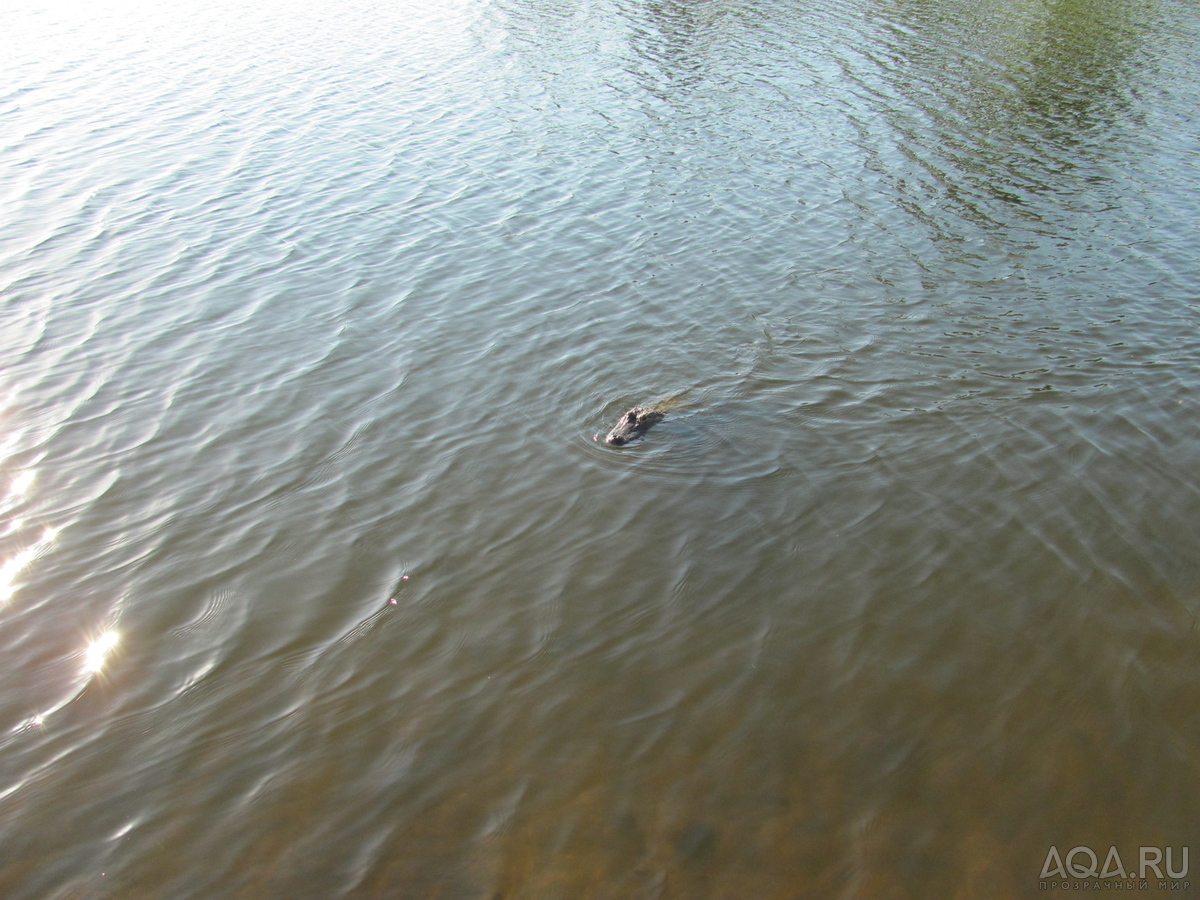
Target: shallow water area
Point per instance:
(316, 582)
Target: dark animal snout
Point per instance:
(633, 425)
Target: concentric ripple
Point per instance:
(315, 583)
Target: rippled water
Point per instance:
(316, 584)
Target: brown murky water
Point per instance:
(316, 585)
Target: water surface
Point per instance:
(316, 584)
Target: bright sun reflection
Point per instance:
(18, 486)
(11, 568)
(21, 483)
(97, 651)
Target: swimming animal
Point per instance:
(633, 425)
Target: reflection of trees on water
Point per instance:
(1080, 61)
(673, 38)
(669, 47)
(1059, 67)
(1045, 70)
(1002, 100)
(946, 109)
(1063, 65)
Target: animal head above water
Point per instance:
(633, 425)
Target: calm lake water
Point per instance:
(315, 584)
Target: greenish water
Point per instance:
(315, 583)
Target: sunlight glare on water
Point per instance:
(98, 650)
(315, 583)
(11, 568)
